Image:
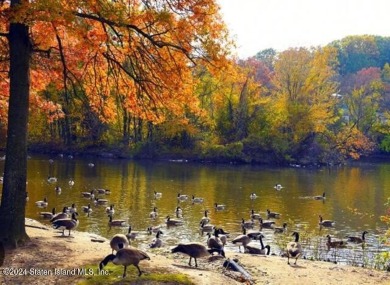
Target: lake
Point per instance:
(355, 199)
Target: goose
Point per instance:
(278, 186)
(91, 164)
(335, 243)
(205, 218)
(222, 236)
(71, 182)
(219, 207)
(326, 223)
(281, 229)
(197, 199)
(89, 195)
(125, 256)
(27, 198)
(87, 209)
(254, 234)
(272, 214)
(60, 216)
(214, 241)
(118, 242)
(179, 212)
(358, 239)
(195, 250)
(131, 234)
(99, 201)
(66, 224)
(173, 222)
(157, 195)
(242, 239)
(42, 203)
(58, 189)
(103, 191)
(153, 214)
(255, 250)
(71, 209)
(48, 215)
(254, 216)
(116, 223)
(206, 228)
(253, 196)
(110, 210)
(182, 197)
(266, 224)
(51, 179)
(156, 242)
(320, 197)
(247, 224)
(294, 249)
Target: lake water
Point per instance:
(355, 199)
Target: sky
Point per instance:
(280, 24)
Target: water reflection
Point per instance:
(355, 198)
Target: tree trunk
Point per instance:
(13, 200)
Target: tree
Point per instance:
(144, 49)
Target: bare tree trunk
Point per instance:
(13, 200)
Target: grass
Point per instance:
(114, 276)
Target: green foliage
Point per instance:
(385, 144)
(224, 153)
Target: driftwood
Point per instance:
(37, 227)
(233, 265)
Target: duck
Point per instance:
(153, 214)
(205, 218)
(182, 197)
(66, 224)
(118, 242)
(116, 223)
(157, 195)
(281, 229)
(42, 203)
(131, 234)
(125, 256)
(195, 250)
(48, 215)
(326, 223)
(294, 249)
(266, 224)
(272, 214)
(99, 201)
(335, 243)
(247, 224)
(356, 239)
(206, 228)
(197, 199)
(52, 179)
(156, 242)
(87, 209)
(253, 196)
(219, 207)
(173, 222)
(110, 210)
(89, 195)
(320, 197)
(103, 191)
(278, 186)
(60, 216)
(242, 239)
(254, 216)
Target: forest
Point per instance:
(319, 105)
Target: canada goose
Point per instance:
(116, 223)
(214, 241)
(205, 218)
(247, 224)
(118, 242)
(195, 250)
(173, 222)
(326, 223)
(91, 164)
(358, 239)
(99, 201)
(131, 234)
(335, 243)
(255, 250)
(66, 224)
(42, 203)
(157, 195)
(153, 214)
(294, 249)
(253, 196)
(222, 235)
(103, 191)
(272, 214)
(197, 199)
(110, 210)
(242, 239)
(266, 224)
(182, 197)
(71, 182)
(255, 216)
(51, 179)
(206, 228)
(60, 216)
(71, 209)
(219, 207)
(89, 195)
(320, 197)
(278, 186)
(48, 215)
(254, 234)
(58, 189)
(87, 209)
(179, 212)
(27, 198)
(156, 242)
(125, 256)
(281, 229)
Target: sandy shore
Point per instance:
(49, 251)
